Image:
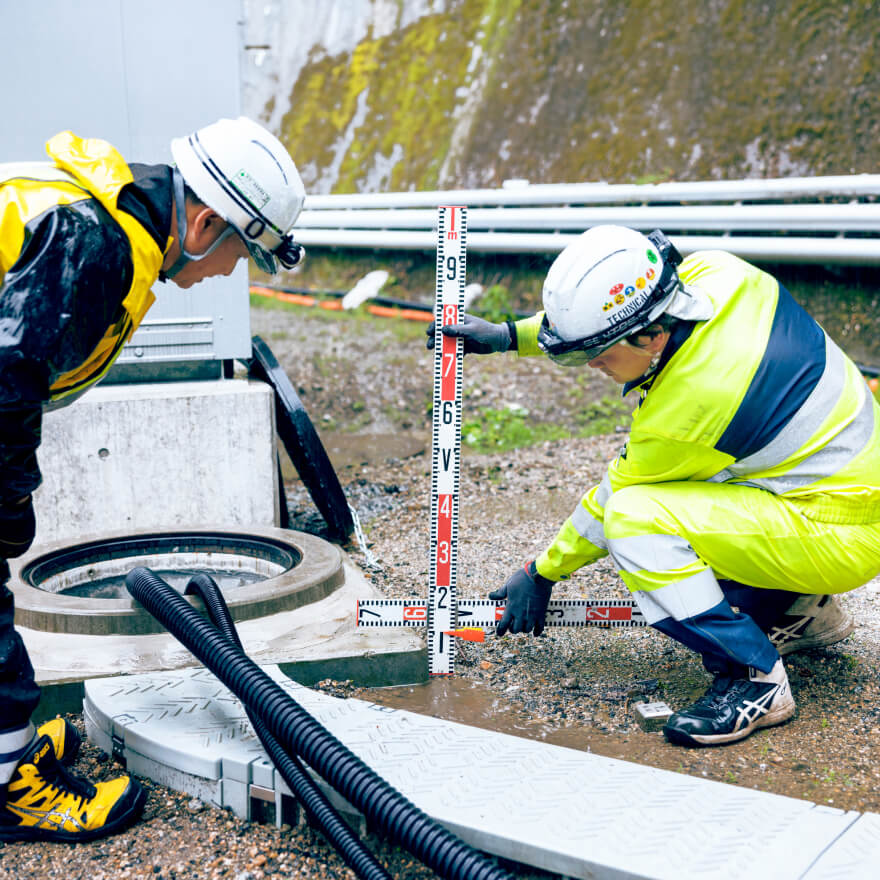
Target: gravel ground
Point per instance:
(366, 385)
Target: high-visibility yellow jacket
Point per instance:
(758, 395)
(81, 244)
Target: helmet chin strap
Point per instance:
(185, 256)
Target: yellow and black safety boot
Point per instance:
(65, 737)
(46, 802)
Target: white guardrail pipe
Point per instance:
(793, 220)
(845, 251)
(809, 217)
(851, 186)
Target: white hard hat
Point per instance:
(244, 173)
(606, 285)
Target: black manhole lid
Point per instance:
(302, 443)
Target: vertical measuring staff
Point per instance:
(446, 466)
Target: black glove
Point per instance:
(527, 594)
(17, 526)
(480, 337)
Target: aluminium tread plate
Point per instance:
(566, 811)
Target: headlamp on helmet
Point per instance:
(288, 254)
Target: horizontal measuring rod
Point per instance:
(484, 613)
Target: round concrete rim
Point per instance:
(317, 574)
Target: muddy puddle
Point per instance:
(469, 702)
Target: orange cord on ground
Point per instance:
(335, 305)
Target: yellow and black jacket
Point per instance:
(82, 240)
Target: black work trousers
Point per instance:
(19, 693)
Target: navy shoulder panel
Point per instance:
(792, 364)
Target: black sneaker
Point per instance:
(45, 802)
(811, 621)
(733, 708)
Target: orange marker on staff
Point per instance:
(468, 633)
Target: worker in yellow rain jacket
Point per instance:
(83, 238)
(750, 479)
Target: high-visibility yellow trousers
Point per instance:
(673, 541)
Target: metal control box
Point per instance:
(135, 74)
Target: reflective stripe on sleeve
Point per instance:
(587, 526)
(603, 493)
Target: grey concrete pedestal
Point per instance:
(158, 454)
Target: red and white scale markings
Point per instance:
(446, 447)
(443, 614)
(485, 613)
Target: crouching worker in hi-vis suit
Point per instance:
(750, 479)
(83, 238)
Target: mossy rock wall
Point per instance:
(467, 93)
(557, 91)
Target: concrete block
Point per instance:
(236, 796)
(158, 455)
(263, 773)
(237, 767)
(854, 855)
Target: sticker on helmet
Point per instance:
(618, 294)
(634, 305)
(250, 189)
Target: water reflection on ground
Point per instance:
(468, 702)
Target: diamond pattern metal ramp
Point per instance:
(566, 811)
(855, 856)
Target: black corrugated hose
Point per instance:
(322, 814)
(385, 808)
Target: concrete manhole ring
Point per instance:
(281, 570)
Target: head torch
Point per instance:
(288, 253)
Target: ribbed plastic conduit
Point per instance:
(322, 814)
(385, 808)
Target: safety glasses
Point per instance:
(575, 352)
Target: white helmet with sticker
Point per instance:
(606, 285)
(244, 173)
